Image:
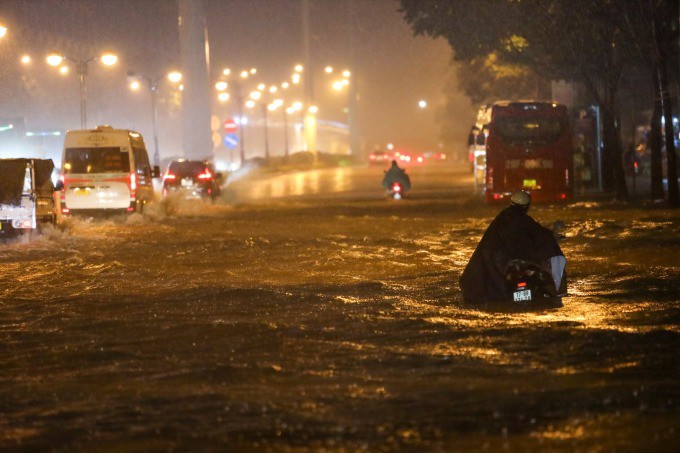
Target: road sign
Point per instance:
(231, 141)
(230, 126)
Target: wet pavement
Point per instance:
(296, 315)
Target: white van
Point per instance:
(105, 170)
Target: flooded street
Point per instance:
(307, 312)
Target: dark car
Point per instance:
(194, 178)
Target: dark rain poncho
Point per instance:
(396, 174)
(513, 234)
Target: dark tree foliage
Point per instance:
(653, 27)
(586, 41)
(486, 79)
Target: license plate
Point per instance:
(187, 182)
(519, 296)
(529, 183)
(82, 192)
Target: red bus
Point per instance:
(529, 147)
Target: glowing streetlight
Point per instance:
(223, 97)
(255, 95)
(244, 74)
(107, 59)
(346, 74)
(26, 59)
(422, 104)
(221, 85)
(285, 85)
(250, 103)
(175, 76)
(328, 69)
(226, 72)
(298, 68)
(313, 109)
(261, 87)
(273, 89)
(54, 59)
(3, 31)
(63, 70)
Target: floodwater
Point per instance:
(296, 315)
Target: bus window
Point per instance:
(529, 131)
(96, 160)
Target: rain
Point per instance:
(305, 310)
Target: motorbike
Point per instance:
(532, 283)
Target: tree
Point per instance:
(485, 79)
(653, 29)
(574, 40)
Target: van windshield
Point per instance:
(96, 160)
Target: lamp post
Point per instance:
(257, 96)
(107, 59)
(233, 81)
(152, 84)
(286, 111)
(265, 107)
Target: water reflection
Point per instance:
(332, 181)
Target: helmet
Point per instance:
(520, 198)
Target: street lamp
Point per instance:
(3, 31)
(152, 84)
(233, 84)
(107, 59)
(257, 96)
(286, 111)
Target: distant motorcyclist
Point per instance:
(396, 174)
(513, 234)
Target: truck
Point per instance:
(26, 196)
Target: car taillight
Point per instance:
(133, 182)
(205, 174)
(169, 175)
(396, 187)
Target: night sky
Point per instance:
(393, 69)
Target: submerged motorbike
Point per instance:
(532, 283)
